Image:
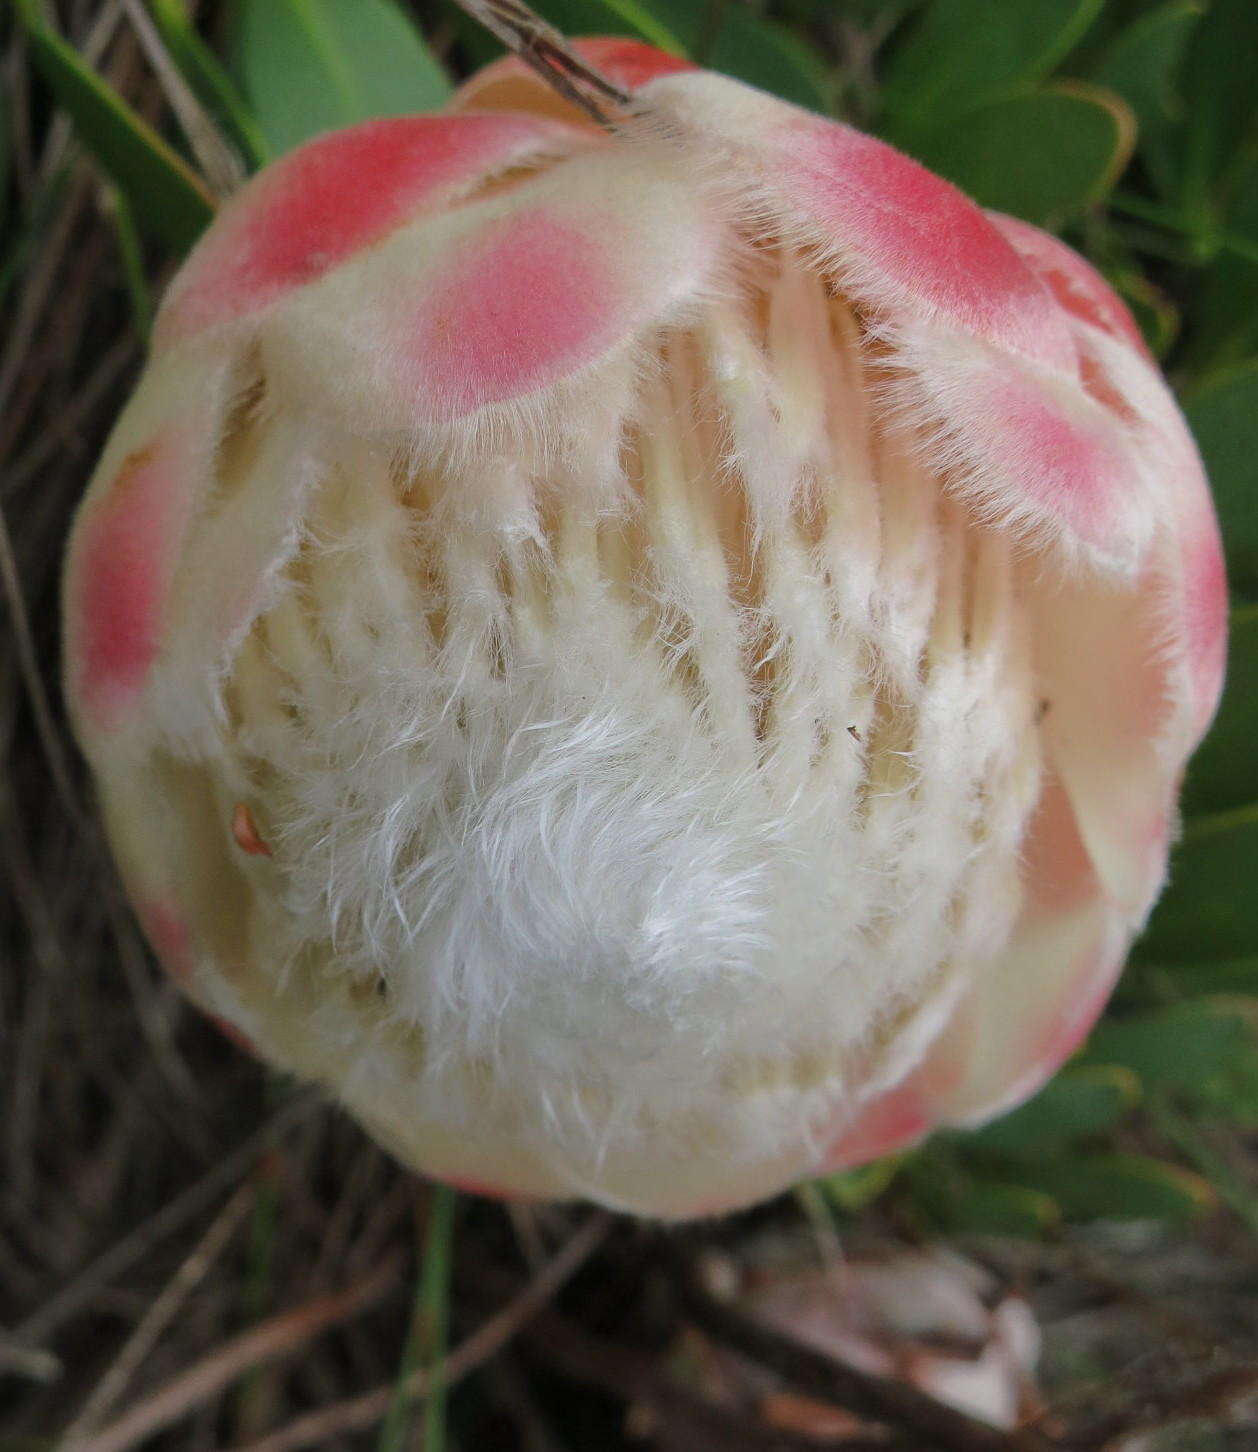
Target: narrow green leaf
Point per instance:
(138, 292)
(309, 66)
(1224, 417)
(964, 54)
(1120, 1187)
(1223, 319)
(1224, 772)
(200, 67)
(1077, 1103)
(1179, 1047)
(1039, 157)
(167, 196)
(1210, 913)
(426, 1339)
(1142, 64)
(989, 1207)
(1186, 1135)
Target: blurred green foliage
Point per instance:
(1128, 126)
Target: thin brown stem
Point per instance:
(205, 1379)
(317, 1429)
(540, 45)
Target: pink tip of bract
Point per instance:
(168, 935)
(119, 581)
(1205, 616)
(892, 1121)
(483, 1188)
(924, 237)
(528, 304)
(332, 197)
(1075, 283)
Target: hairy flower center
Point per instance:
(677, 757)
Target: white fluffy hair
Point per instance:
(647, 785)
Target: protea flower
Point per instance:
(653, 665)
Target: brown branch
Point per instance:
(541, 46)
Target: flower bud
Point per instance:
(652, 665)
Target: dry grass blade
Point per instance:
(223, 171)
(203, 1381)
(28, 663)
(319, 1428)
(159, 1315)
(541, 46)
(72, 1297)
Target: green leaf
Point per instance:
(854, 1189)
(1224, 772)
(1240, 975)
(1120, 1187)
(1210, 913)
(762, 54)
(309, 66)
(1077, 1103)
(988, 1207)
(1223, 317)
(1179, 1047)
(964, 54)
(200, 67)
(729, 39)
(1040, 156)
(1142, 65)
(1224, 417)
(638, 18)
(166, 194)
(1218, 76)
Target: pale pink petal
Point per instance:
(334, 196)
(900, 235)
(119, 580)
(127, 538)
(501, 300)
(168, 935)
(1103, 671)
(1027, 1011)
(1073, 281)
(979, 351)
(1132, 674)
(893, 1121)
(1031, 451)
(1205, 604)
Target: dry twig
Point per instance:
(540, 45)
(279, 1336)
(318, 1428)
